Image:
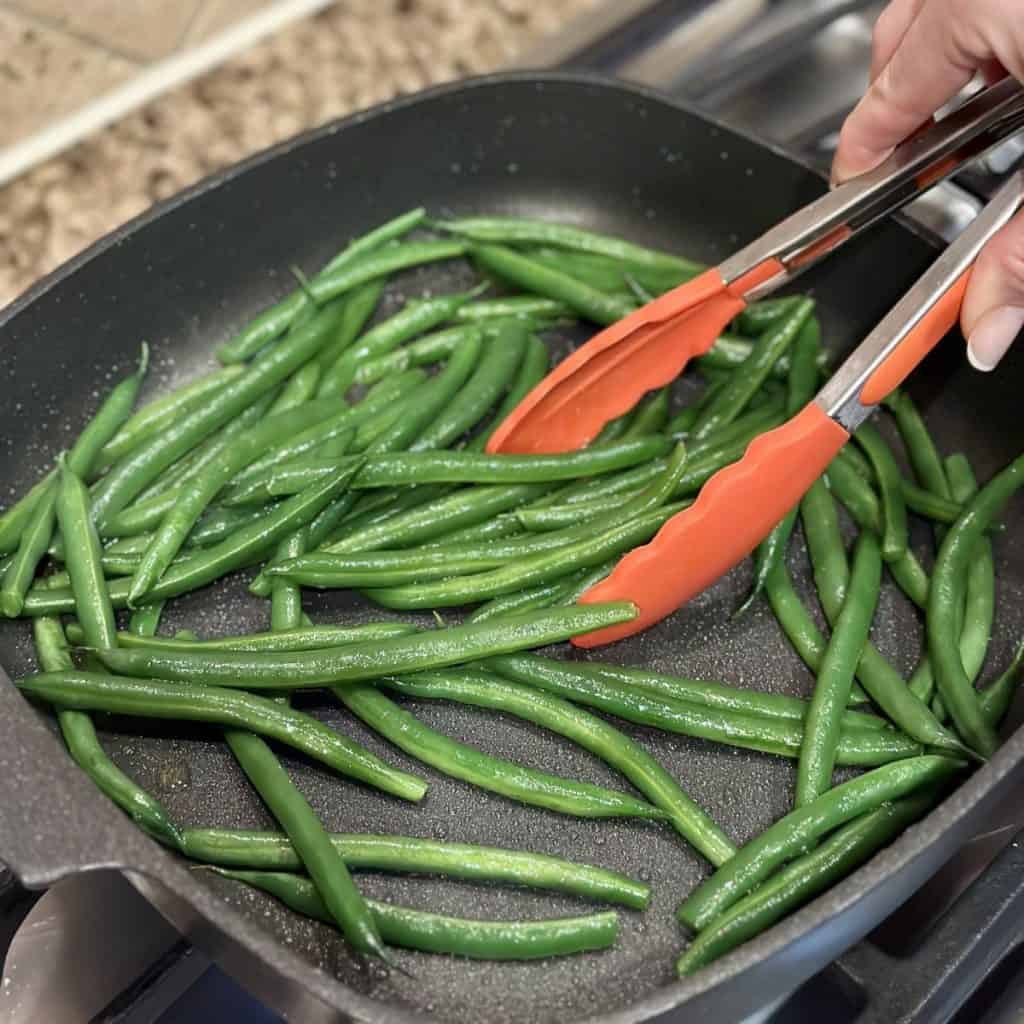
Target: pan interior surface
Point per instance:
(601, 156)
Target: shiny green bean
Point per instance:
(887, 473)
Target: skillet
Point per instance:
(564, 147)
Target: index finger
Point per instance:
(929, 66)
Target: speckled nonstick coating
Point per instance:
(185, 276)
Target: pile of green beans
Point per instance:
(342, 448)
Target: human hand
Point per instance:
(924, 52)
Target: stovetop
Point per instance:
(788, 72)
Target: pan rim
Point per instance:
(170, 872)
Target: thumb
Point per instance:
(993, 309)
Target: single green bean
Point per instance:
(588, 731)
(86, 750)
(305, 638)
(651, 415)
(945, 602)
(460, 761)
(456, 936)
(194, 702)
(358, 307)
(272, 851)
(21, 513)
(438, 648)
(431, 348)
(378, 568)
(554, 284)
(761, 316)
(823, 725)
(324, 863)
(800, 829)
(275, 320)
(300, 387)
(528, 307)
(887, 473)
(144, 621)
(562, 236)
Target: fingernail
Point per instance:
(993, 335)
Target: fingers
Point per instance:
(931, 63)
(890, 28)
(993, 310)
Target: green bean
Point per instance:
(299, 388)
(498, 528)
(823, 724)
(21, 513)
(309, 638)
(156, 416)
(998, 696)
(529, 307)
(748, 378)
(542, 595)
(460, 761)
(466, 507)
(424, 409)
(378, 568)
(887, 473)
(761, 316)
(588, 731)
(945, 602)
(862, 747)
(535, 277)
(860, 500)
(831, 573)
(325, 865)
(471, 467)
(236, 551)
(438, 648)
(614, 430)
(434, 933)
(979, 600)
(924, 456)
(92, 602)
(599, 272)
(285, 596)
(797, 831)
(357, 309)
(143, 465)
(412, 319)
(575, 586)
(144, 621)
(195, 497)
(651, 415)
(85, 748)
(194, 702)
(532, 370)
(802, 383)
(37, 534)
(562, 236)
(793, 617)
(272, 851)
(803, 879)
(289, 478)
(431, 348)
(534, 670)
(729, 351)
(545, 565)
(276, 319)
(491, 378)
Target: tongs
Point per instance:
(741, 504)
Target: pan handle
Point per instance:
(53, 821)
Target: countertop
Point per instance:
(353, 54)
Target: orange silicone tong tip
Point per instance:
(607, 376)
(735, 510)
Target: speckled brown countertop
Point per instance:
(353, 54)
